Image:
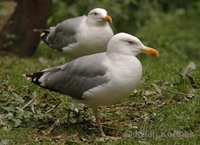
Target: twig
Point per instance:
(54, 97)
(27, 104)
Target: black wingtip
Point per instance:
(34, 77)
(44, 33)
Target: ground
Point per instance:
(164, 109)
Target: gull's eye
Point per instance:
(95, 13)
(131, 42)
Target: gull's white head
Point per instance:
(98, 15)
(123, 43)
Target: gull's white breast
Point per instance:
(124, 76)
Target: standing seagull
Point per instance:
(98, 79)
(82, 35)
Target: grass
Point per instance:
(169, 114)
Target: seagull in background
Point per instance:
(80, 36)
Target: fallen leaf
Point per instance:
(189, 69)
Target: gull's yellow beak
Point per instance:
(107, 19)
(150, 51)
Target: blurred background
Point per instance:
(161, 23)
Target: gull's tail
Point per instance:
(44, 35)
(45, 78)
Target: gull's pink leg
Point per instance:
(96, 114)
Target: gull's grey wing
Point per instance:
(75, 77)
(63, 33)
